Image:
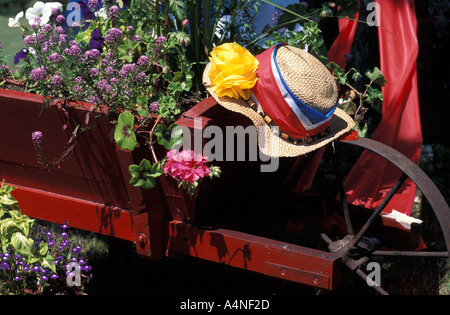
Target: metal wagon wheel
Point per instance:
(357, 249)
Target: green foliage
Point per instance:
(144, 174)
(124, 134)
(376, 77)
(14, 227)
(170, 136)
(15, 230)
(208, 27)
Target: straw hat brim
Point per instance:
(269, 142)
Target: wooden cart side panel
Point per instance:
(254, 253)
(91, 171)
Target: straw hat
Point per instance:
(293, 100)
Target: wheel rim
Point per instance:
(354, 241)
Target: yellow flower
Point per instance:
(233, 71)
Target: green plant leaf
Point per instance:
(362, 131)
(22, 243)
(376, 76)
(348, 106)
(126, 50)
(142, 101)
(48, 262)
(168, 136)
(42, 249)
(124, 134)
(144, 175)
(374, 97)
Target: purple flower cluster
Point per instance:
(91, 56)
(154, 106)
(143, 61)
(73, 50)
(36, 137)
(95, 69)
(127, 69)
(114, 13)
(38, 74)
(56, 80)
(113, 35)
(93, 4)
(158, 45)
(55, 57)
(104, 86)
(63, 252)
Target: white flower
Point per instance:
(14, 22)
(55, 5)
(101, 13)
(40, 13)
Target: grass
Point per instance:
(11, 39)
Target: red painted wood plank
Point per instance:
(82, 214)
(274, 258)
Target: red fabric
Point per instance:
(341, 47)
(273, 103)
(372, 177)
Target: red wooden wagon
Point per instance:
(232, 220)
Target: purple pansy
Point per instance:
(96, 41)
(22, 54)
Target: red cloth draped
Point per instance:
(372, 177)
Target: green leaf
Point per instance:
(144, 175)
(361, 131)
(374, 97)
(126, 50)
(142, 109)
(42, 249)
(168, 136)
(376, 76)
(84, 36)
(7, 199)
(48, 262)
(124, 135)
(348, 106)
(22, 243)
(149, 183)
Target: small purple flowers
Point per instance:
(114, 13)
(36, 137)
(127, 69)
(38, 74)
(91, 55)
(113, 35)
(153, 106)
(51, 274)
(74, 50)
(143, 61)
(55, 57)
(94, 72)
(56, 80)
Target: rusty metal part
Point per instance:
(410, 253)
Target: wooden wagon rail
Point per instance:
(91, 192)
